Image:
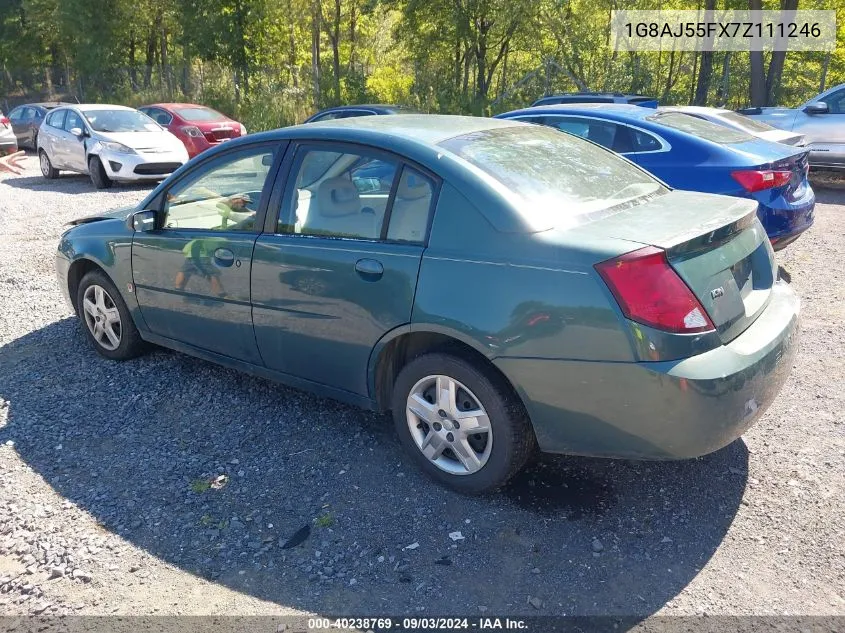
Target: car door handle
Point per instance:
(224, 257)
(369, 269)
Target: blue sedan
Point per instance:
(696, 155)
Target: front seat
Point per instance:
(409, 218)
(339, 212)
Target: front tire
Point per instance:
(47, 169)
(461, 424)
(105, 318)
(98, 173)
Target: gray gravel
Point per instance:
(170, 485)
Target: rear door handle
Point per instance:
(369, 269)
(224, 257)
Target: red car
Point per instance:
(197, 126)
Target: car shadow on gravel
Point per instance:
(214, 471)
(69, 183)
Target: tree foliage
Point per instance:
(272, 62)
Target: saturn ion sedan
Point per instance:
(497, 286)
(109, 143)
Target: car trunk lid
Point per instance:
(714, 243)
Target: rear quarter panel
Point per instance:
(514, 294)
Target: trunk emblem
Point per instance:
(717, 292)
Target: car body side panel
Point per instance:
(508, 303)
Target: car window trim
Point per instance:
(272, 220)
(280, 146)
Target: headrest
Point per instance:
(338, 196)
(412, 186)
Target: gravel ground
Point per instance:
(105, 503)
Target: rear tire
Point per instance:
(474, 436)
(47, 169)
(105, 318)
(98, 173)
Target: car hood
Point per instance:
(162, 140)
(120, 213)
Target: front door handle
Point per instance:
(369, 269)
(224, 257)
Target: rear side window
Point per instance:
(17, 114)
(56, 119)
(553, 178)
(699, 127)
(644, 142)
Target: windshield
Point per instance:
(557, 176)
(200, 114)
(707, 130)
(746, 123)
(120, 121)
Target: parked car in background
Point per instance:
(107, 142)
(198, 127)
(693, 154)
(510, 287)
(821, 120)
(740, 122)
(8, 142)
(367, 109)
(26, 119)
(597, 97)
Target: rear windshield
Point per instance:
(747, 123)
(707, 130)
(199, 114)
(557, 177)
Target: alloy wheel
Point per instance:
(449, 425)
(45, 163)
(102, 317)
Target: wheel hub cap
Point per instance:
(449, 425)
(102, 317)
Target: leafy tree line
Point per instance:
(272, 62)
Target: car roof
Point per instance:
(693, 110)
(166, 106)
(429, 129)
(622, 111)
(98, 106)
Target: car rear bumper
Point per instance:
(661, 410)
(148, 166)
(785, 220)
(8, 146)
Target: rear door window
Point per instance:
(602, 132)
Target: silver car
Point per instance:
(8, 140)
(821, 120)
(737, 121)
(108, 142)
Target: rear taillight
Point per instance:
(192, 131)
(243, 129)
(4, 121)
(650, 292)
(757, 180)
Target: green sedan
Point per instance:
(499, 287)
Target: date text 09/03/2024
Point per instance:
(417, 624)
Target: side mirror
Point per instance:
(142, 221)
(817, 107)
(78, 132)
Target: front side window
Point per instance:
(554, 179)
(161, 117)
(72, 121)
(57, 119)
(339, 194)
(835, 102)
(222, 196)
